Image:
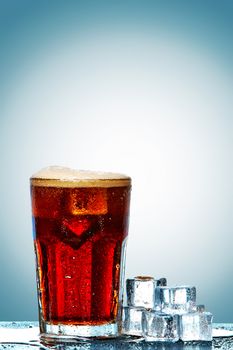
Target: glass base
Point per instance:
(62, 333)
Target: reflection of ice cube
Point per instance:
(132, 321)
(196, 326)
(178, 300)
(141, 292)
(88, 201)
(161, 327)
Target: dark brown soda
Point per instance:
(79, 235)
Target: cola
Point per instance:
(80, 230)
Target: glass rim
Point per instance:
(56, 176)
(121, 182)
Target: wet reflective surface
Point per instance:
(25, 335)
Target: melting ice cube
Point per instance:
(196, 326)
(87, 201)
(161, 327)
(141, 292)
(178, 300)
(132, 321)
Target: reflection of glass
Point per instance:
(80, 229)
(24, 335)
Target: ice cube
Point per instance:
(141, 292)
(161, 282)
(87, 201)
(160, 327)
(200, 308)
(196, 326)
(132, 321)
(76, 231)
(178, 300)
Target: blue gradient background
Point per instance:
(141, 87)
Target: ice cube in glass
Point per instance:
(94, 204)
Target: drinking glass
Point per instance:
(80, 228)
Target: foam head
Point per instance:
(56, 176)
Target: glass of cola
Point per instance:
(80, 228)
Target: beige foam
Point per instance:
(56, 176)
